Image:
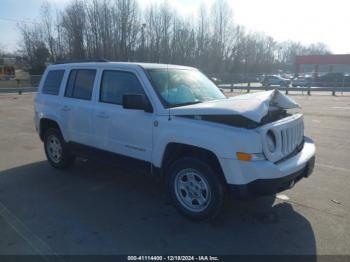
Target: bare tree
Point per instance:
(2, 52)
(127, 27)
(48, 30)
(34, 48)
(74, 25)
(117, 30)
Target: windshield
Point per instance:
(178, 87)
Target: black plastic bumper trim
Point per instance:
(272, 186)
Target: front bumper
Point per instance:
(272, 186)
(264, 177)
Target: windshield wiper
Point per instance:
(186, 104)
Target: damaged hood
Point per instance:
(253, 106)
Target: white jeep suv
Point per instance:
(171, 121)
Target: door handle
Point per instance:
(66, 108)
(102, 115)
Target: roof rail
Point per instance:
(81, 61)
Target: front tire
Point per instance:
(195, 188)
(56, 149)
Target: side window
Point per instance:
(53, 82)
(116, 83)
(80, 83)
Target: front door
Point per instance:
(126, 132)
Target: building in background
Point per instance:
(7, 68)
(327, 70)
(322, 64)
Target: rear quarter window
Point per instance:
(53, 82)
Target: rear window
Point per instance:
(53, 82)
(80, 83)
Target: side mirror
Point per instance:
(137, 101)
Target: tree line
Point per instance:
(119, 30)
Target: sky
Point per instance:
(306, 21)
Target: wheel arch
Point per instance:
(46, 123)
(175, 150)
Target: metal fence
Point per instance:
(228, 82)
(32, 81)
(324, 82)
(256, 79)
(307, 90)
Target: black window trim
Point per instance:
(67, 82)
(120, 71)
(60, 85)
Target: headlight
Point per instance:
(271, 141)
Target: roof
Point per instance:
(125, 65)
(323, 59)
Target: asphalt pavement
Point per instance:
(93, 208)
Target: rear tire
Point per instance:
(56, 149)
(195, 188)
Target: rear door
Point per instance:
(77, 108)
(126, 132)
